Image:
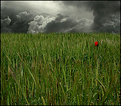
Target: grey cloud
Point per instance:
(75, 3)
(21, 23)
(5, 24)
(6, 21)
(84, 25)
(112, 24)
(79, 16)
(60, 23)
(23, 16)
(5, 12)
(102, 11)
(66, 24)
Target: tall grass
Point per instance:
(60, 69)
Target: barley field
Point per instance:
(60, 69)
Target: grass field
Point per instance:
(60, 69)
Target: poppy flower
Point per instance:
(96, 43)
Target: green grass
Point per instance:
(60, 69)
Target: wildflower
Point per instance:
(96, 43)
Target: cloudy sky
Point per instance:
(60, 16)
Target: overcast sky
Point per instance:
(60, 16)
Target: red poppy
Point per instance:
(96, 43)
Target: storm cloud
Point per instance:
(106, 14)
(17, 22)
(59, 23)
(60, 16)
(21, 23)
(5, 23)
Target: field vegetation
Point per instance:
(60, 69)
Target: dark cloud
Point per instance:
(112, 24)
(18, 23)
(19, 17)
(60, 23)
(75, 18)
(66, 24)
(102, 11)
(21, 23)
(5, 12)
(5, 23)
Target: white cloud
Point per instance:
(39, 23)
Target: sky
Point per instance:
(60, 16)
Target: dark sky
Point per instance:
(60, 16)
